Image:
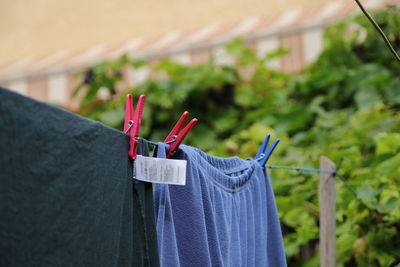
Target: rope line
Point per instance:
(380, 31)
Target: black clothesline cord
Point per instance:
(379, 30)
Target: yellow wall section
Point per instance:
(42, 27)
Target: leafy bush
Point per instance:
(344, 105)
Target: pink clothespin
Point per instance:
(175, 137)
(132, 122)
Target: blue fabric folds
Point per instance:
(225, 215)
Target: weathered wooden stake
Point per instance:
(327, 214)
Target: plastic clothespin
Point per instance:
(262, 156)
(132, 122)
(175, 137)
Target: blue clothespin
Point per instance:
(262, 156)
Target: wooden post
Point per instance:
(327, 214)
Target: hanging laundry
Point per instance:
(224, 216)
(66, 191)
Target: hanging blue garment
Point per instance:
(224, 216)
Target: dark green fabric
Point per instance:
(144, 215)
(66, 195)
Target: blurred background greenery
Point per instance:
(344, 105)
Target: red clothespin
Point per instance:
(175, 137)
(132, 122)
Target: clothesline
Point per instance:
(317, 170)
(304, 170)
(282, 167)
(299, 169)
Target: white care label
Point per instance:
(163, 171)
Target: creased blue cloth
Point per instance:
(225, 215)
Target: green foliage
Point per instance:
(344, 105)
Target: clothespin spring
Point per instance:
(130, 124)
(173, 139)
